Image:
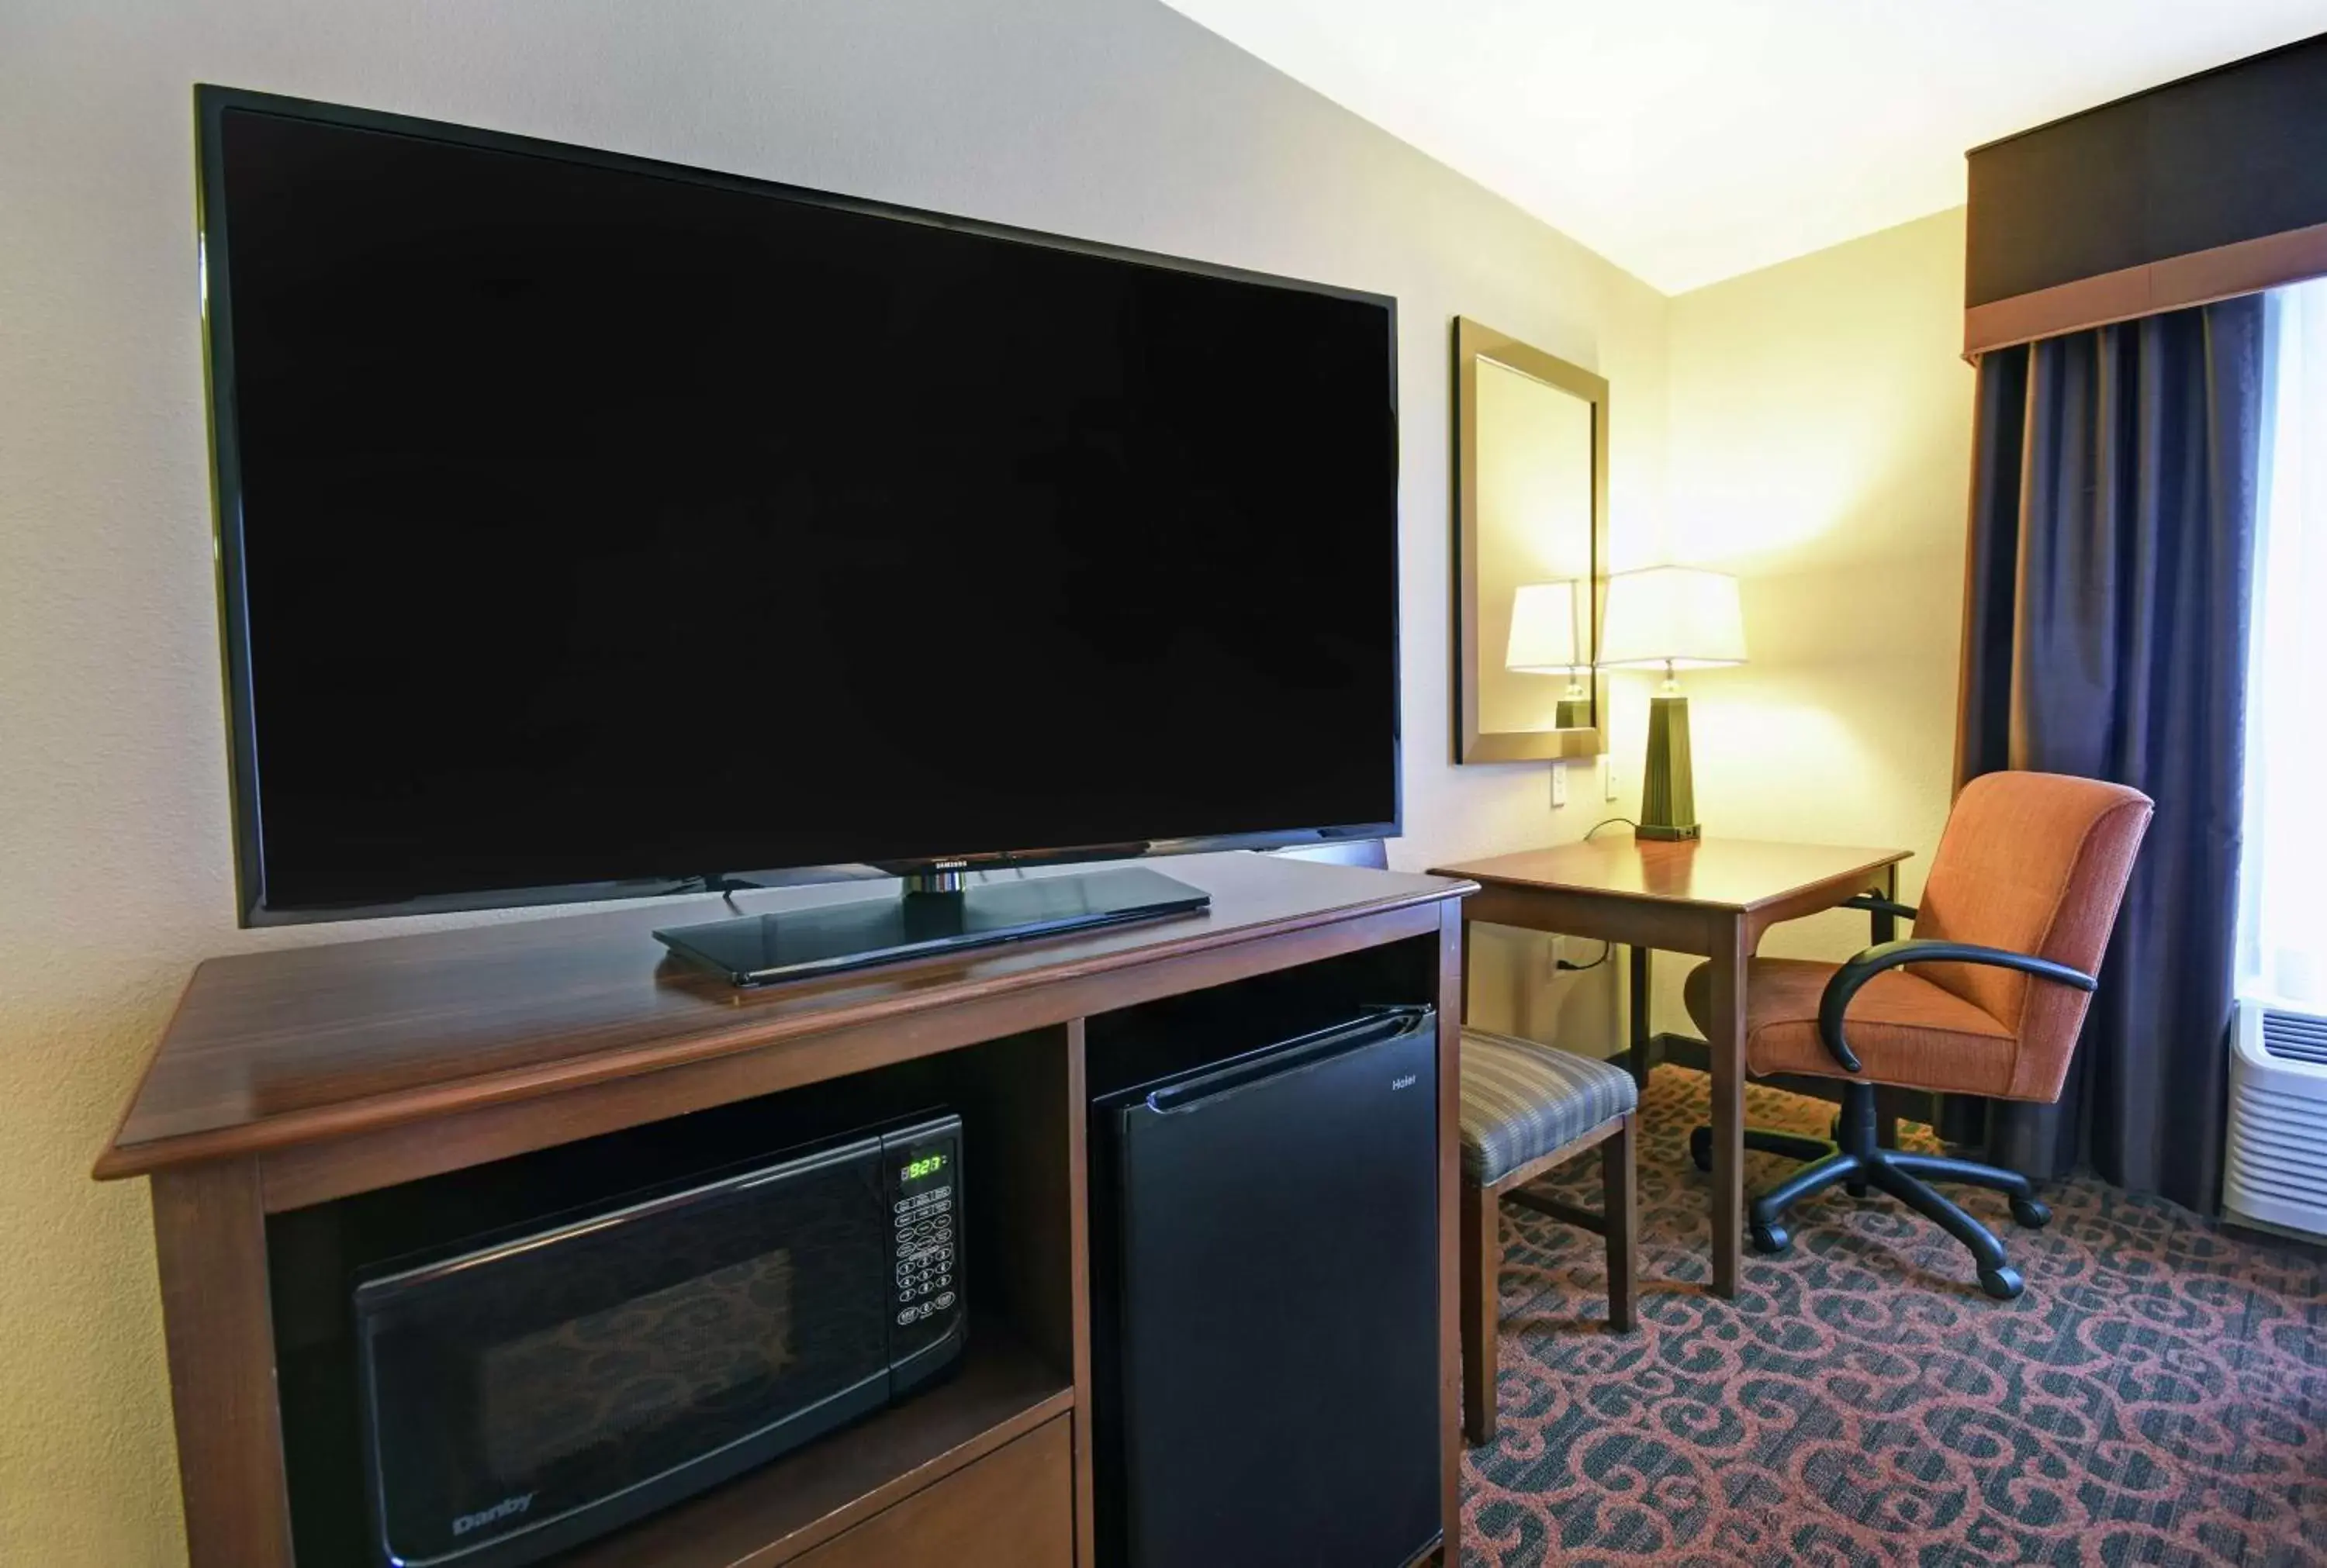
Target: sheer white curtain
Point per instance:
(2283, 936)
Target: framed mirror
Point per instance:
(1531, 551)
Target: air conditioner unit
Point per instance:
(2275, 1174)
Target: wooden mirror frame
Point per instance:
(1473, 342)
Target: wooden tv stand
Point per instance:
(304, 1075)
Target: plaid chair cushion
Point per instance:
(1521, 1101)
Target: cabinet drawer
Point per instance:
(1013, 1509)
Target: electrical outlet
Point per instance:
(1608, 773)
(1558, 785)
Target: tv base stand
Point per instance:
(938, 913)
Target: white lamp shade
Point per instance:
(1673, 615)
(1546, 630)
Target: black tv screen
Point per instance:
(589, 525)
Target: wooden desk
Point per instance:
(1713, 897)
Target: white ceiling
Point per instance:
(1691, 140)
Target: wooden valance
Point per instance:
(2202, 188)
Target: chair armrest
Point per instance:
(1867, 966)
(1877, 904)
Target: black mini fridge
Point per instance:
(1265, 1260)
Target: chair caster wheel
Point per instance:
(2004, 1284)
(1700, 1148)
(1771, 1240)
(1856, 1188)
(2029, 1212)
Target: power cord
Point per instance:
(726, 886)
(1606, 949)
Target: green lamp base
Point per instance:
(1667, 793)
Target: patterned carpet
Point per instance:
(2158, 1396)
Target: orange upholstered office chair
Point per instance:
(1986, 999)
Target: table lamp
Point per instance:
(1546, 640)
(1683, 618)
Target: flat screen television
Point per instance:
(591, 526)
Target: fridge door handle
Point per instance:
(1380, 1024)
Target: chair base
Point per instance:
(1856, 1159)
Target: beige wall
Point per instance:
(1820, 444)
(1116, 120)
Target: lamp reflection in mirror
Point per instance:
(1681, 617)
(1547, 637)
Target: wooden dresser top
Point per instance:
(267, 1050)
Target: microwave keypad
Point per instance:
(924, 1253)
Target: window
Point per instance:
(2283, 936)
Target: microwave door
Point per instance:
(533, 1395)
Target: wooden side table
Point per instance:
(1712, 896)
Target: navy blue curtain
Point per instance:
(2115, 477)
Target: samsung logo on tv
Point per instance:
(499, 1511)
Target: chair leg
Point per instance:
(1945, 1167)
(1619, 1182)
(1996, 1277)
(1481, 1310)
(1762, 1141)
(2026, 1208)
(1792, 1145)
(1769, 1208)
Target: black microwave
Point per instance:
(529, 1392)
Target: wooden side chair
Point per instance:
(1527, 1108)
(1987, 998)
